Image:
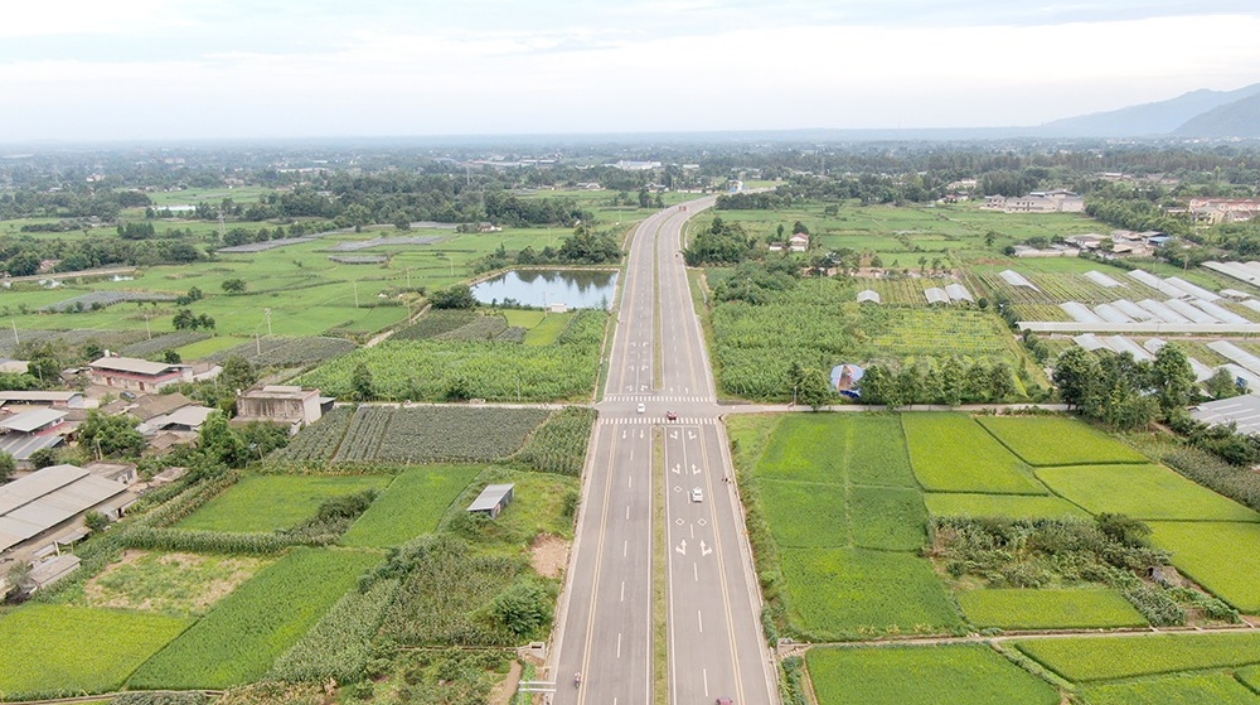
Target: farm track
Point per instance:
(797, 648)
(107, 697)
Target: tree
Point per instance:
(8, 466)
(238, 374)
(1074, 374)
(234, 286)
(458, 296)
(220, 443)
(815, 389)
(361, 383)
(44, 457)
(110, 436)
(96, 521)
(171, 357)
(877, 385)
(1001, 382)
(1173, 377)
(952, 378)
(1222, 385)
(523, 608)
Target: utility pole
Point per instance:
(267, 311)
(15, 336)
(356, 294)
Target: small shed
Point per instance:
(868, 296)
(847, 379)
(49, 572)
(492, 500)
(936, 295)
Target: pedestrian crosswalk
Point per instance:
(656, 421)
(660, 398)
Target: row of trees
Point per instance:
(951, 382)
(1122, 392)
(584, 246)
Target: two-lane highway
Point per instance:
(715, 644)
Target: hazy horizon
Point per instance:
(194, 70)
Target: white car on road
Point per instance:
(642, 408)
(697, 494)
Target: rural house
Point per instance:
(137, 375)
(282, 404)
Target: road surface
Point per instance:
(716, 648)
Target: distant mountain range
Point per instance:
(1203, 113)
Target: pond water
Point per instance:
(576, 288)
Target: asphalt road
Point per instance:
(715, 644)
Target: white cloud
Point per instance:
(587, 80)
(45, 18)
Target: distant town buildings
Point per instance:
(1059, 201)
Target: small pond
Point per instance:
(576, 288)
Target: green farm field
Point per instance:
(429, 370)
(887, 518)
(1183, 689)
(307, 293)
(952, 453)
(937, 675)
(240, 638)
(1219, 556)
(805, 514)
(829, 328)
(411, 506)
(839, 593)
(996, 505)
(261, 503)
(805, 448)
(56, 650)
(1082, 659)
(1147, 492)
(1048, 609)
(1056, 440)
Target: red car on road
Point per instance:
(671, 416)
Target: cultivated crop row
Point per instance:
(440, 370)
(443, 434)
(318, 441)
(484, 327)
(367, 428)
(101, 299)
(435, 323)
(161, 343)
(560, 444)
(287, 352)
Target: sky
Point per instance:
(74, 70)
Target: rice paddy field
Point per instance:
(837, 507)
(939, 675)
(1148, 492)
(997, 505)
(1039, 440)
(55, 650)
(953, 453)
(840, 593)
(1084, 659)
(1220, 556)
(1185, 689)
(1048, 609)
